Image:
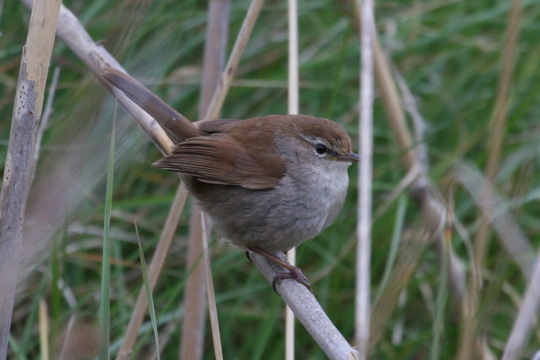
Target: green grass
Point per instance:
(149, 297)
(105, 298)
(449, 53)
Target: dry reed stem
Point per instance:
(215, 50)
(394, 109)
(44, 328)
(194, 302)
(308, 311)
(19, 166)
(211, 294)
(365, 176)
(293, 108)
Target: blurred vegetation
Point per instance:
(449, 53)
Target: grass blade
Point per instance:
(148, 292)
(105, 299)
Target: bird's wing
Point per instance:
(221, 159)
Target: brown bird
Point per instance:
(268, 183)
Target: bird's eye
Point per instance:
(321, 149)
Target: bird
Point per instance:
(268, 183)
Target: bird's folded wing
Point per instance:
(220, 159)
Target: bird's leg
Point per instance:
(294, 272)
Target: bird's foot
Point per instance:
(293, 273)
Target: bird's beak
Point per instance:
(350, 157)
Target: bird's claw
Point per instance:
(293, 274)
